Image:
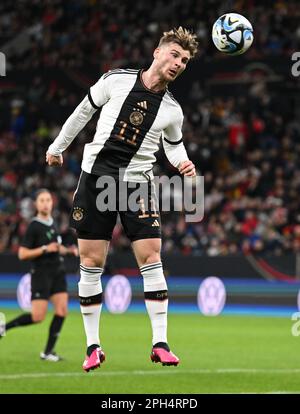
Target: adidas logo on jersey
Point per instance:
(155, 223)
(142, 104)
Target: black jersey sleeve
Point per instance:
(29, 239)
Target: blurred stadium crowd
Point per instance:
(246, 146)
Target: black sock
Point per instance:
(22, 320)
(91, 349)
(162, 345)
(54, 331)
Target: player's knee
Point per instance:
(38, 317)
(91, 261)
(153, 257)
(62, 312)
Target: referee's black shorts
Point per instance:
(92, 223)
(47, 281)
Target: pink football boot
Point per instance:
(94, 360)
(164, 356)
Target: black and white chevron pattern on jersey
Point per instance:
(130, 128)
(120, 72)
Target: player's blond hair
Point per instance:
(183, 37)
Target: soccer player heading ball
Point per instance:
(137, 109)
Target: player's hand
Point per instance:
(187, 168)
(52, 247)
(54, 160)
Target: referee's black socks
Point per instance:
(55, 328)
(54, 331)
(22, 320)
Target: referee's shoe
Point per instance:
(51, 356)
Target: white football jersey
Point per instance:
(132, 120)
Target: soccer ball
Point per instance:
(232, 33)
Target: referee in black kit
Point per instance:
(42, 245)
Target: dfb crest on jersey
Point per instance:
(77, 213)
(136, 118)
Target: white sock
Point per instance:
(90, 293)
(156, 300)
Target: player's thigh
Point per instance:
(93, 252)
(147, 250)
(60, 303)
(141, 218)
(91, 217)
(39, 309)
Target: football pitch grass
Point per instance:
(224, 354)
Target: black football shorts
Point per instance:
(96, 208)
(47, 281)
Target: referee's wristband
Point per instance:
(44, 249)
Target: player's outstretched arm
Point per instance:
(97, 96)
(73, 125)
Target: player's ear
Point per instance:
(156, 52)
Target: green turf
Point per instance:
(227, 354)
